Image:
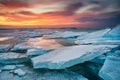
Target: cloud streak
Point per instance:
(56, 13)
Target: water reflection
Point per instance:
(45, 43)
(5, 38)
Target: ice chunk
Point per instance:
(42, 74)
(22, 47)
(20, 65)
(34, 52)
(19, 72)
(98, 41)
(115, 53)
(12, 58)
(28, 33)
(60, 75)
(4, 48)
(111, 68)
(9, 67)
(96, 34)
(69, 56)
(106, 36)
(66, 34)
(114, 33)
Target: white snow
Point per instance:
(34, 52)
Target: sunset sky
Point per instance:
(59, 13)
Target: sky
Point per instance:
(59, 13)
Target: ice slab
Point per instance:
(111, 68)
(9, 67)
(96, 34)
(35, 52)
(19, 72)
(5, 48)
(66, 34)
(12, 58)
(41, 74)
(98, 41)
(69, 56)
(114, 34)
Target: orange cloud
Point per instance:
(58, 13)
(36, 19)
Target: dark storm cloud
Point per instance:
(100, 17)
(71, 8)
(107, 19)
(95, 2)
(100, 6)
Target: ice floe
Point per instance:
(69, 56)
(5, 47)
(65, 35)
(12, 58)
(111, 68)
